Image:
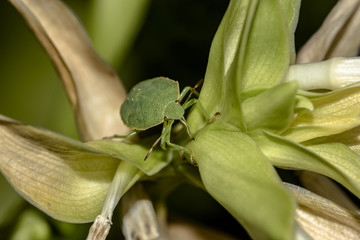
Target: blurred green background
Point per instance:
(169, 38)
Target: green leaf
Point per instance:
(114, 25)
(242, 180)
(334, 113)
(333, 160)
(272, 109)
(134, 154)
(64, 178)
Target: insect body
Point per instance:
(157, 101)
(149, 102)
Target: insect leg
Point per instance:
(183, 121)
(167, 132)
(184, 92)
(164, 137)
(192, 91)
(122, 136)
(183, 149)
(201, 108)
(188, 104)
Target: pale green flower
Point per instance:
(267, 118)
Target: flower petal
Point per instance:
(65, 178)
(338, 36)
(134, 153)
(291, 10)
(333, 160)
(350, 138)
(333, 113)
(331, 74)
(326, 188)
(242, 180)
(272, 109)
(93, 87)
(323, 219)
(251, 37)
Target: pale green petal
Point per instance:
(350, 138)
(224, 48)
(343, 158)
(242, 180)
(267, 43)
(290, 9)
(333, 113)
(272, 109)
(252, 36)
(64, 178)
(333, 160)
(134, 154)
(302, 102)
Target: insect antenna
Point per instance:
(154, 144)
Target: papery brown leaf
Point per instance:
(339, 35)
(94, 89)
(323, 219)
(64, 178)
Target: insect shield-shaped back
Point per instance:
(149, 102)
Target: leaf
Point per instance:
(333, 160)
(134, 154)
(323, 219)
(271, 109)
(84, 74)
(64, 178)
(333, 113)
(114, 25)
(242, 180)
(338, 35)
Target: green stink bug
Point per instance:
(155, 101)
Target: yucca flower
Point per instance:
(273, 113)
